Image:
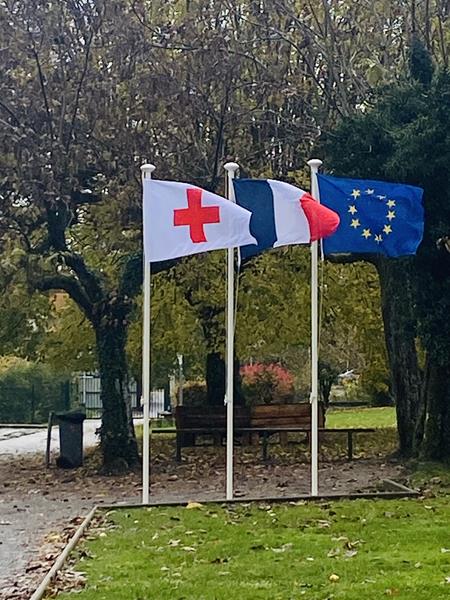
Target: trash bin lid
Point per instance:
(71, 416)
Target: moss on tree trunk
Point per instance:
(118, 441)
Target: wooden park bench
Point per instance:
(261, 422)
(192, 422)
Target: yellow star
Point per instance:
(390, 215)
(387, 229)
(378, 239)
(355, 223)
(356, 194)
(390, 203)
(352, 209)
(369, 192)
(366, 233)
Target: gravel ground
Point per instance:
(17, 441)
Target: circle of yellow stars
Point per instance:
(367, 233)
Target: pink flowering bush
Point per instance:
(266, 384)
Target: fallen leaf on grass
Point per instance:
(352, 544)
(322, 524)
(283, 548)
(392, 592)
(258, 547)
(334, 578)
(219, 560)
(191, 505)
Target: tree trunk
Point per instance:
(216, 378)
(436, 442)
(118, 441)
(400, 332)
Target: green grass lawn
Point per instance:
(352, 550)
(362, 417)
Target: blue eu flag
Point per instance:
(376, 216)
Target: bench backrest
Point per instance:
(267, 415)
(284, 415)
(190, 417)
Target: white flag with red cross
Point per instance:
(182, 219)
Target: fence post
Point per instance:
(49, 438)
(33, 404)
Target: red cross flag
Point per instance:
(182, 219)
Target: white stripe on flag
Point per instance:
(291, 224)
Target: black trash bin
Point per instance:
(70, 439)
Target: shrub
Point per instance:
(194, 393)
(375, 382)
(266, 384)
(29, 391)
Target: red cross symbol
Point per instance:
(196, 215)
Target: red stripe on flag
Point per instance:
(322, 221)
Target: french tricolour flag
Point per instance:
(282, 214)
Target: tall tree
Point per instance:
(405, 139)
(60, 92)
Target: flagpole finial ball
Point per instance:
(147, 170)
(231, 166)
(315, 163)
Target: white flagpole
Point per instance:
(231, 169)
(146, 171)
(314, 165)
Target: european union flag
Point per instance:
(376, 216)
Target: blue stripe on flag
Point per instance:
(256, 196)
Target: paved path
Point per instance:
(26, 514)
(35, 500)
(16, 441)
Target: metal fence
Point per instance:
(88, 393)
(157, 403)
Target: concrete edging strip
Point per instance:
(40, 591)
